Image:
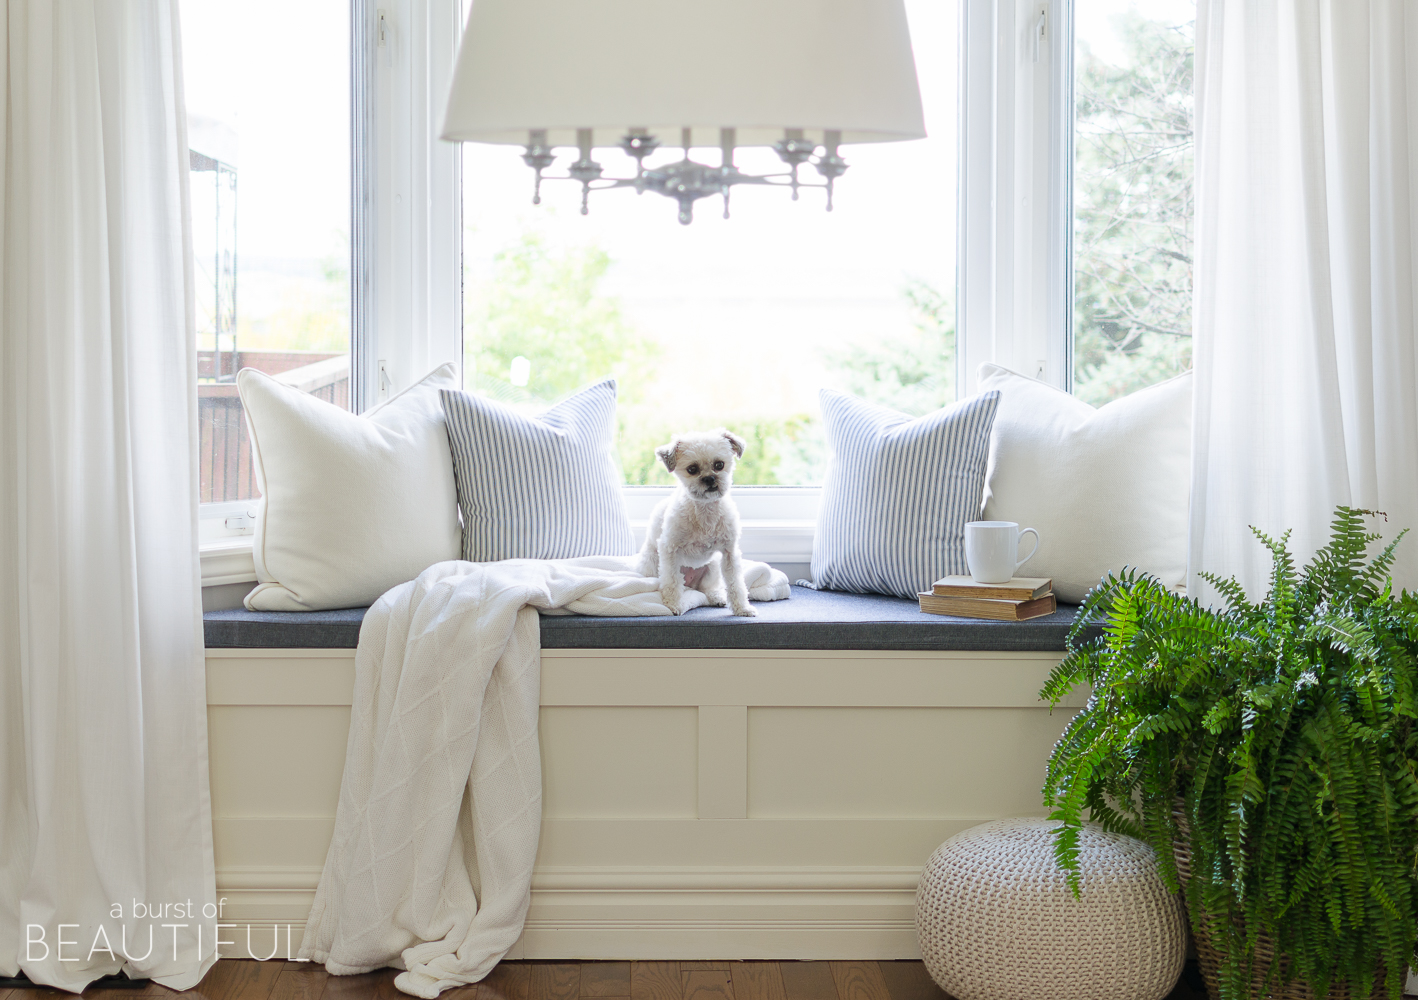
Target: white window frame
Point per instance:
(1014, 284)
(1014, 288)
(408, 201)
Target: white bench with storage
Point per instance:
(713, 787)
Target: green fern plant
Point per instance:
(1285, 730)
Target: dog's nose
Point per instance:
(709, 481)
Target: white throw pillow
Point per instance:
(1106, 488)
(350, 505)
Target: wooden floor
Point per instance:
(233, 979)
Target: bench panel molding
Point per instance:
(626, 677)
(741, 824)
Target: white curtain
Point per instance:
(103, 742)
(1307, 218)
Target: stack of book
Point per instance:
(1021, 598)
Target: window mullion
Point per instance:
(1013, 255)
(363, 348)
(413, 239)
(1060, 172)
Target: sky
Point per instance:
(278, 74)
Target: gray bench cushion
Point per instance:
(810, 619)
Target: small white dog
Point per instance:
(697, 522)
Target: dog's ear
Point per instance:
(735, 442)
(667, 453)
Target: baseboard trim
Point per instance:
(683, 912)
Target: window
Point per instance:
(1132, 194)
(735, 322)
(268, 110)
(1069, 260)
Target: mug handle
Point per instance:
(1028, 531)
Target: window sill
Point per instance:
(227, 560)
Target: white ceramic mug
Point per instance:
(991, 548)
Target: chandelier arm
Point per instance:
(782, 180)
(686, 180)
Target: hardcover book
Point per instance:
(1021, 588)
(977, 607)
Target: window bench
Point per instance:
(714, 787)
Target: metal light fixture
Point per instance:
(800, 76)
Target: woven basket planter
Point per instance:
(1210, 960)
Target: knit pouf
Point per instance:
(996, 919)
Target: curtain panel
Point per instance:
(105, 821)
(1307, 188)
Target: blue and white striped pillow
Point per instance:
(543, 487)
(898, 493)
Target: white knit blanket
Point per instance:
(447, 683)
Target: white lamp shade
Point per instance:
(757, 66)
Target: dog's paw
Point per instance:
(676, 606)
(745, 612)
(716, 598)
